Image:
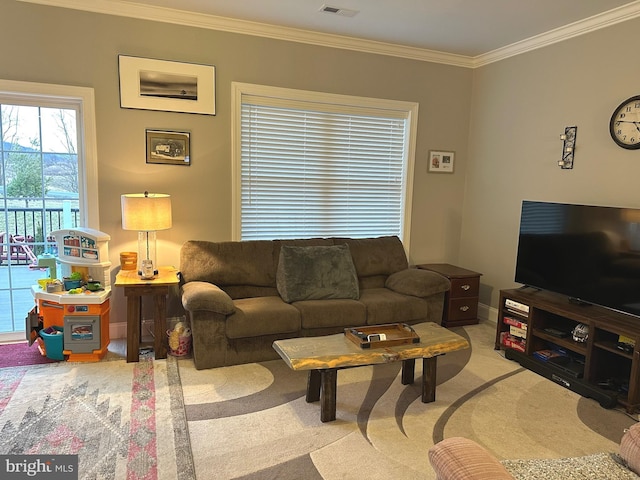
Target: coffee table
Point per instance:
(324, 356)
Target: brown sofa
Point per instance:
(234, 293)
(458, 458)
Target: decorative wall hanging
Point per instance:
(441, 162)
(568, 147)
(168, 147)
(168, 86)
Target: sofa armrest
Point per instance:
(630, 448)
(458, 458)
(417, 282)
(206, 296)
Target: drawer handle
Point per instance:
(465, 287)
(464, 308)
(52, 305)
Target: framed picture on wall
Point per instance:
(441, 161)
(168, 147)
(150, 84)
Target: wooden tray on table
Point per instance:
(395, 333)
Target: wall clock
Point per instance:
(625, 124)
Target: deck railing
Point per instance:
(28, 231)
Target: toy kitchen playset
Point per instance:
(73, 304)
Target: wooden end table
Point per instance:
(324, 356)
(134, 289)
(461, 301)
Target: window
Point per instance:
(48, 181)
(309, 164)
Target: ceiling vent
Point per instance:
(345, 12)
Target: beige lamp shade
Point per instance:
(146, 212)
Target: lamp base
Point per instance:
(147, 272)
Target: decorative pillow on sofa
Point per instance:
(316, 273)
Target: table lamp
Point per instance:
(146, 212)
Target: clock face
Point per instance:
(625, 124)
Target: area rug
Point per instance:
(16, 354)
(123, 420)
(252, 421)
(599, 466)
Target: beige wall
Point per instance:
(54, 45)
(503, 120)
(520, 107)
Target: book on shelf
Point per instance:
(547, 354)
(509, 341)
(517, 331)
(517, 306)
(515, 322)
(627, 340)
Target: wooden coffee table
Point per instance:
(323, 356)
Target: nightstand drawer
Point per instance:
(465, 287)
(462, 308)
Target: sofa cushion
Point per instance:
(630, 448)
(229, 263)
(331, 313)
(386, 306)
(416, 282)
(376, 256)
(316, 273)
(259, 316)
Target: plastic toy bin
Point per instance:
(53, 338)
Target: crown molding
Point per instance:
(566, 32)
(212, 22)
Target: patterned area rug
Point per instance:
(252, 421)
(600, 466)
(123, 420)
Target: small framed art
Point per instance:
(441, 162)
(150, 84)
(172, 148)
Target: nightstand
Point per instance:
(461, 302)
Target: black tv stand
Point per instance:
(526, 323)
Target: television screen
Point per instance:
(588, 253)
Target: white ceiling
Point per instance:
(467, 28)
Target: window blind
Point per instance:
(311, 170)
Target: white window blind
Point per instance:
(310, 169)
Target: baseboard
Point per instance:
(117, 330)
(487, 312)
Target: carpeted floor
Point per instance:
(165, 420)
(252, 421)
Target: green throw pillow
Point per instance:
(316, 273)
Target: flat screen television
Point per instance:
(589, 253)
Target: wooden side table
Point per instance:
(461, 302)
(134, 289)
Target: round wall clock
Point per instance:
(625, 124)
